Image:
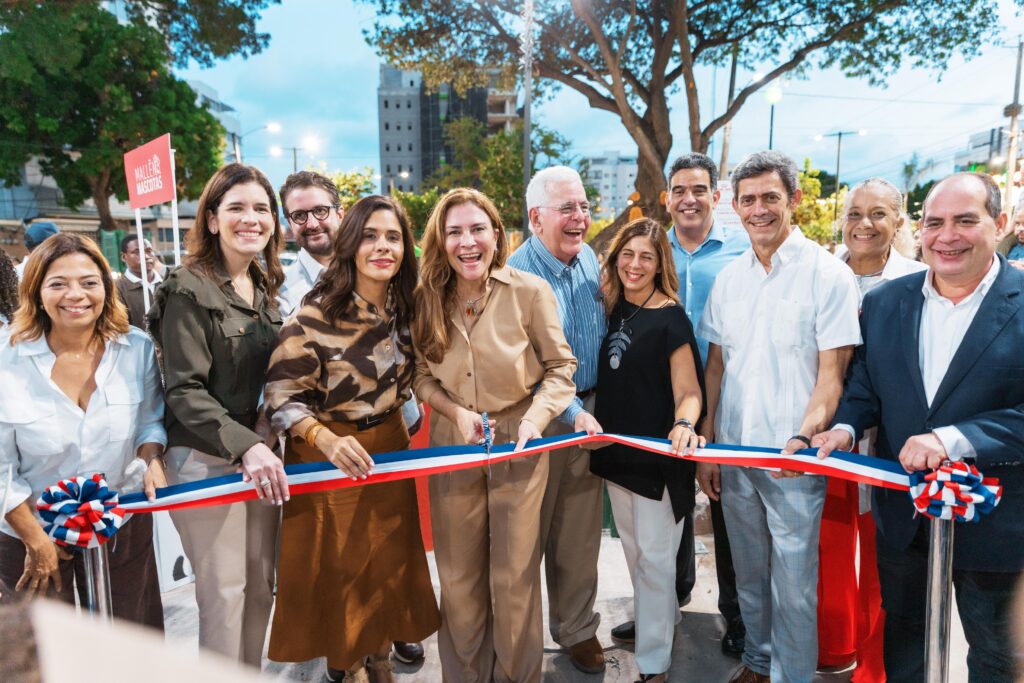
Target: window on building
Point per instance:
(389, 168)
(400, 189)
(387, 126)
(399, 168)
(411, 83)
(385, 104)
(408, 104)
(410, 146)
(410, 165)
(387, 147)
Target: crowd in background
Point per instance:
(693, 332)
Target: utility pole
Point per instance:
(723, 167)
(526, 45)
(1013, 111)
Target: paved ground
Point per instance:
(696, 654)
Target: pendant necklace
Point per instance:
(471, 306)
(619, 341)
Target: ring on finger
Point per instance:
(264, 482)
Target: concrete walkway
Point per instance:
(696, 656)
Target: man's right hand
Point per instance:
(832, 440)
(710, 479)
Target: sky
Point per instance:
(324, 84)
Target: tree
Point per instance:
(199, 30)
(108, 91)
(628, 57)
(915, 198)
(353, 184)
(493, 163)
(813, 214)
(418, 206)
(910, 170)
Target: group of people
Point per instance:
(696, 334)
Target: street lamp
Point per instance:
(391, 180)
(271, 126)
(310, 143)
(838, 135)
(772, 96)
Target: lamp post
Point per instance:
(310, 143)
(838, 135)
(272, 127)
(772, 96)
(391, 180)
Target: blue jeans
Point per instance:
(983, 600)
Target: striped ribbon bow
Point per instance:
(80, 512)
(955, 491)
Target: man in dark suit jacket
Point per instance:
(940, 374)
(129, 285)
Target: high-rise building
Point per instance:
(411, 122)
(614, 177)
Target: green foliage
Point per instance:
(915, 198)
(418, 206)
(814, 215)
(107, 90)
(197, 30)
(353, 184)
(596, 226)
(629, 58)
(493, 163)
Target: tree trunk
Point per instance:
(650, 183)
(100, 188)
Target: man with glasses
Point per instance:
(314, 212)
(571, 512)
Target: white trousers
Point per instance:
(650, 540)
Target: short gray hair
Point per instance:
(540, 183)
(760, 163)
(895, 196)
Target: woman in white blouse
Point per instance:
(81, 394)
(850, 619)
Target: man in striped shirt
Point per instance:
(571, 512)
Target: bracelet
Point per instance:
(683, 422)
(310, 436)
(801, 438)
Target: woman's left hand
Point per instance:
(154, 478)
(685, 440)
(527, 431)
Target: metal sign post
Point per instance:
(940, 583)
(97, 582)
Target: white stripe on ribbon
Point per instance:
(309, 477)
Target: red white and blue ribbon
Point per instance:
(955, 491)
(323, 476)
(80, 512)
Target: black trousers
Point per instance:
(686, 564)
(983, 600)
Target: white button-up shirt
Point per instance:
(156, 278)
(771, 327)
(299, 278)
(45, 436)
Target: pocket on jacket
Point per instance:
(35, 429)
(123, 401)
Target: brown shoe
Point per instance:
(588, 656)
(745, 674)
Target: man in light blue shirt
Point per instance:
(700, 249)
(570, 525)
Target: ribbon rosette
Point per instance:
(955, 491)
(80, 511)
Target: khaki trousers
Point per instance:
(570, 538)
(231, 548)
(486, 524)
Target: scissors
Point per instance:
(488, 437)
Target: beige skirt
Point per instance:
(352, 573)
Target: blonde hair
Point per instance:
(437, 277)
(31, 320)
(667, 282)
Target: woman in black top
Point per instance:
(649, 384)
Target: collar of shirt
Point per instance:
(932, 294)
(556, 267)
(154, 277)
(310, 265)
(715, 234)
(788, 251)
(39, 347)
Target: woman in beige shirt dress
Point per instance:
(487, 339)
(352, 573)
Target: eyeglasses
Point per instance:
(300, 216)
(569, 208)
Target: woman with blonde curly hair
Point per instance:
(87, 400)
(488, 342)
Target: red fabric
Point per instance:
(850, 616)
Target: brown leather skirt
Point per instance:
(352, 573)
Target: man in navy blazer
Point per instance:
(941, 374)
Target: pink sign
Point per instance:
(148, 172)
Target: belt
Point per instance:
(373, 420)
(584, 395)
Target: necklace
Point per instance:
(619, 341)
(471, 305)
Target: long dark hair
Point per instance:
(667, 282)
(204, 247)
(8, 287)
(336, 284)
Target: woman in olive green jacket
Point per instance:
(215, 321)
